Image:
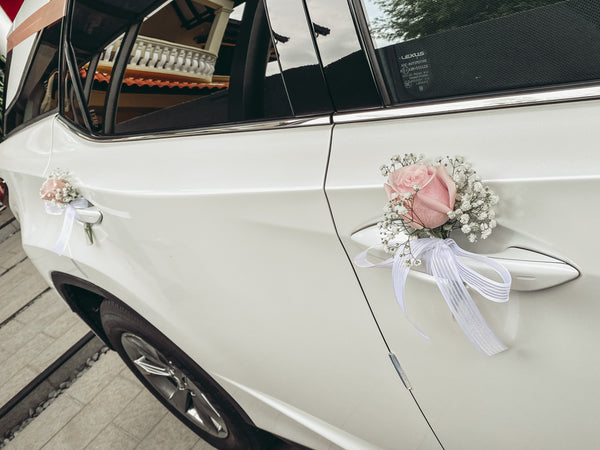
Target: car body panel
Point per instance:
(540, 162)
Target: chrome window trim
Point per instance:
(456, 106)
(234, 128)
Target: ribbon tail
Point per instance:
(400, 271)
(65, 232)
(444, 268)
(490, 289)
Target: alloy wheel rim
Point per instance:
(174, 386)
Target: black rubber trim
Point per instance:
(89, 81)
(88, 312)
(116, 78)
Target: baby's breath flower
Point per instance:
(400, 209)
(464, 218)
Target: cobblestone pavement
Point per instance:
(106, 407)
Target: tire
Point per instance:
(176, 381)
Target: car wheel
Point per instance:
(175, 380)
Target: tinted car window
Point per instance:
(345, 65)
(39, 92)
(429, 49)
(191, 63)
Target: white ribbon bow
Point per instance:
(70, 212)
(451, 275)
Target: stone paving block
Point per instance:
(21, 358)
(8, 224)
(4, 355)
(203, 445)
(95, 416)
(8, 230)
(60, 345)
(97, 378)
(38, 432)
(33, 320)
(8, 334)
(142, 414)
(169, 433)
(64, 321)
(112, 438)
(6, 215)
(11, 252)
(15, 370)
(15, 383)
(19, 286)
(46, 309)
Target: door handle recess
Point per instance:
(530, 270)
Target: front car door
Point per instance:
(515, 92)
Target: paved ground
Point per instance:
(106, 407)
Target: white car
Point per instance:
(229, 153)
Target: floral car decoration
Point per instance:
(62, 197)
(427, 201)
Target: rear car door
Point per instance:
(513, 90)
(188, 132)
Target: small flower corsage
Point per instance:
(62, 197)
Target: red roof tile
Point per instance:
(151, 82)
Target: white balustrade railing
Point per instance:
(163, 58)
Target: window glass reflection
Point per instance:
(430, 49)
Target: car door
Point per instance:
(215, 224)
(31, 106)
(515, 95)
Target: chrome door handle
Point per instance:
(530, 270)
(89, 216)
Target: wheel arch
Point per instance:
(84, 298)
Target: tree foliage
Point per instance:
(407, 19)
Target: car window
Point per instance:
(39, 91)
(186, 66)
(430, 49)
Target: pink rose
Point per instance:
(429, 207)
(49, 189)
